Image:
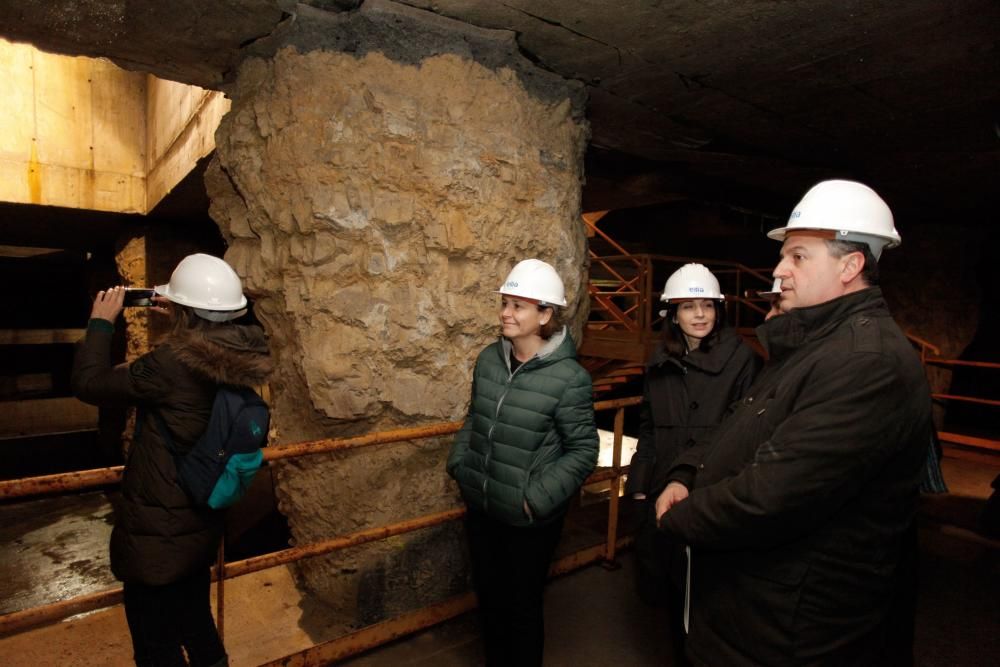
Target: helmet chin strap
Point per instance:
(219, 315)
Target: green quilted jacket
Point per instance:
(529, 435)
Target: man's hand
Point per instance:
(108, 304)
(673, 494)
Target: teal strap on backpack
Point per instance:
(235, 479)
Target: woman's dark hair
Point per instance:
(184, 320)
(674, 343)
(553, 326)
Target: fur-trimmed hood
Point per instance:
(227, 354)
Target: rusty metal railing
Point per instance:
(930, 355)
(355, 642)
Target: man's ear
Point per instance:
(853, 264)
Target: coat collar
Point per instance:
(711, 362)
(550, 351)
(225, 353)
(783, 334)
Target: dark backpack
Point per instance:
(219, 467)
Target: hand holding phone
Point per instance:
(108, 304)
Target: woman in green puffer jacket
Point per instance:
(528, 443)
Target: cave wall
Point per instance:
(373, 204)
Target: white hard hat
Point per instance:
(853, 211)
(208, 285)
(534, 279)
(691, 281)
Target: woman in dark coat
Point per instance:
(699, 369)
(163, 544)
(528, 443)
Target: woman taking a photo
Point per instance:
(700, 368)
(163, 543)
(528, 443)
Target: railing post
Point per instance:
(739, 293)
(220, 597)
(646, 300)
(616, 483)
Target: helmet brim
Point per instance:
(164, 290)
(780, 233)
(533, 299)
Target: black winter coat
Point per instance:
(683, 400)
(160, 536)
(803, 501)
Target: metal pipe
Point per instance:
(86, 479)
(42, 615)
(285, 556)
(20, 621)
(375, 635)
(220, 595)
(372, 636)
(969, 441)
(615, 403)
(60, 483)
(966, 399)
(616, 460)
(958, 362)
(51, 613)
(339, 444)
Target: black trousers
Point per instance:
(165, 619)
(510, 566)
(661, 575)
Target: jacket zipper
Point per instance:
(489, 435)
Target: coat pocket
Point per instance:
(542, 496)
(772, 592)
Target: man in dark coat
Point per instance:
(800, 510)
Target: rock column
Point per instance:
(374, 201)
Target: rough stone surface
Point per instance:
(131, 262)
(373, 206)
(409, 35)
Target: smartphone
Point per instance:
(138, 297)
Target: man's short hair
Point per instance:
(869, 273)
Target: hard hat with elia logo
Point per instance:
(534, 279)
(851, 210)
(208, 285)
(691, 281)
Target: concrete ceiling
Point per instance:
(741, 102)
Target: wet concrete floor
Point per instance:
(54, 549)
